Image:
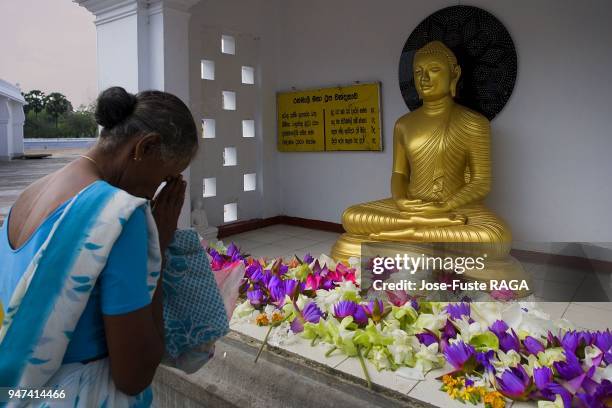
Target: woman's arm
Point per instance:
(136, 340)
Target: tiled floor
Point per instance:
(284, 241)
(551, 281)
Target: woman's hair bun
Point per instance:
(114, 106)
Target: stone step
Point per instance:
(278, 379)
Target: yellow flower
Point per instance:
(262, 320)
(494, 399)
(277, 317)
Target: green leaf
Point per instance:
(485, 341)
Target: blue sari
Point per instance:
(53, 292)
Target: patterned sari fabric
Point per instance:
(53, 292)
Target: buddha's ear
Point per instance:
(456, 74)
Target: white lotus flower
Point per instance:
(428, 357)
(557, 403)
(506, 360)
(326, 299)
(531, 322)
(591, 352)
(486, 313)
(402, 353)
(607, 373)
(467, 329)
(430, 321)
(355, 263)
(551, 355)
(282, 335)
(324, 260)
(243, 311)
(379, 358)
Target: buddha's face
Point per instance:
(434, 78)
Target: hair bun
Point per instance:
(114, 106)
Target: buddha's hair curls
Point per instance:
(438, 48)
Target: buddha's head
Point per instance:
(436, 71)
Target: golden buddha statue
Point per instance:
(441, 172)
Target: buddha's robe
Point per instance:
(452, 165)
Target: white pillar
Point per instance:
(144, 45)
(4, 129)
(11, 121)
(18, 120)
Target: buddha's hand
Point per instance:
(405, 204)
(427, 208)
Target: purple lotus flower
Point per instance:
(570, 368)
(283, 269)
(308, 258)
(507, 341)
(360, 317)
(317, 270)
(499, 327)
(552, 340)
(213, 252)
(375, 310)
(311, 313)
(328, 284)
(456, 310)
(233, 252)
(533, 346)
(603, 341)
(254, 272)
(547, 388)
(600, 398)
(256, 297)
(292, 288)
(484, 358)
(515, 383)
(276, 287)
(427, 337)
(448, 332)
(570, 341)
(542, 376)
(460, 355)
(345, 308)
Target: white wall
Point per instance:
(551, 143)
(243, 18)
(143, 46)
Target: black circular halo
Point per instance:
(484, 49)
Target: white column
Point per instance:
(4, 129)
(144, 45)
(18, 120)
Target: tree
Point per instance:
(35, 100)
(56, 105)
(80, 123)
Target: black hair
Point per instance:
(124, 115)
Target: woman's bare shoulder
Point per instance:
(42, 197)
